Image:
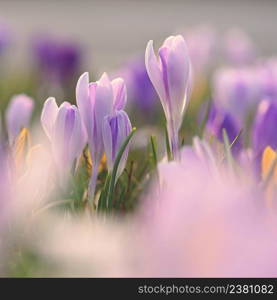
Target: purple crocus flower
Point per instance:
(97, 100)
(116, 129)
(170, 75)
(140, 88)
(218, 119)
(66, 132)
(267, 71)
(237, 91)
(264, 128)
(5, 38)
(57, 60)
(18, 115)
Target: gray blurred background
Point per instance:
(114, 30)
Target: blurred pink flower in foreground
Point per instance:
(197, 225)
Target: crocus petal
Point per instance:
(63, 127)
(116, 128)
(154, 71)
(18, 115)
(78, 137)
(83, 100)
(178, 69)
(169, 41)
(49, 115)
(103, 102)
(103, 99)
(119, 94)
(125, 128)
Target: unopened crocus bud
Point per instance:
(116, 129)
(18, 115)
(95, 101)
(66, 132)
(170, 75)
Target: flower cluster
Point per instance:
(198, 200)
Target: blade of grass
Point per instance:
(115, 167)
(228, 152)
(205, 118)
(236, 138)
(153, 142)
(103, 195)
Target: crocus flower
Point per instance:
(140, 88)
(5, 38)
(57, 60)
(267, 71)
(97, 100)
(264, 129)
(116, 129)
(218, 119)
(18, 115)
(66, 132)
(237, 91)
(209, 226)
(170, 75)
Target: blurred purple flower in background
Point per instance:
(18, 115)
(170, 75)
(57, 60)
(237, 91)
(5, 38)
(218, 120)
(264, 128)
(238, 47)
(116, 129)
(140, 88)
(267, 71)
(66, 132)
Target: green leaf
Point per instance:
(168, 150)
(103, 195)
(153, 142)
